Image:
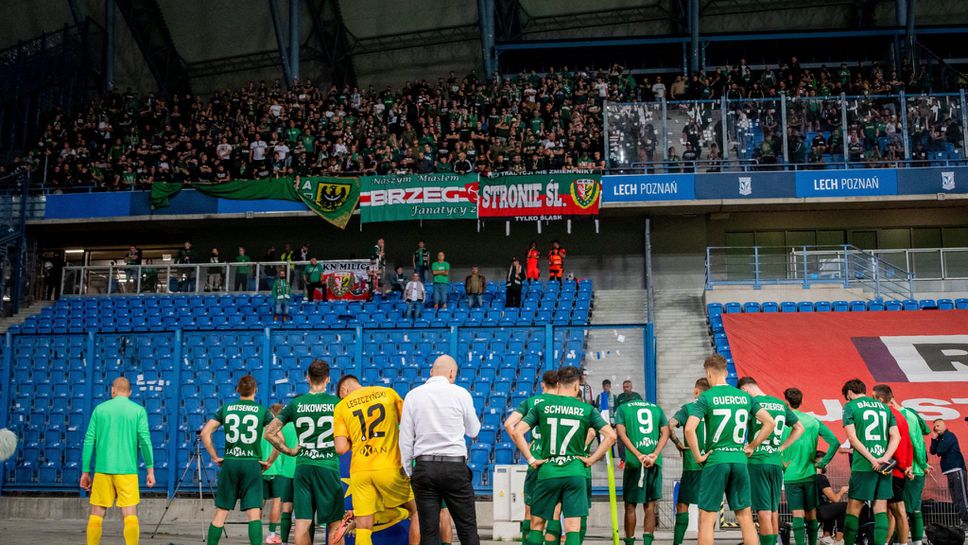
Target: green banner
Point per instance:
(418, 197)
(333, 199)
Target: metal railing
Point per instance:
(729, 134)
(171, 277)
(929, 263)
(807, 266)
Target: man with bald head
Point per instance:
(118, 429)
(436, 417)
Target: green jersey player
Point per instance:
(799, 476)
(549, 384)
(317, 489)
(766, 462)
(872, 432)
(563, 422)
(241, 477)
(277, 481)
(914, 487)
(726, 413)
(642, 427)
(691, 477)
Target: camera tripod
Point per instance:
(194, 464)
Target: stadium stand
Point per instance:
(184, 353)
(517, 123)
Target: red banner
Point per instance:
(531, 197)
(922, 355)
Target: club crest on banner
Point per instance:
(948, 180)
(331, 194)
(585, 192)
(746, 185)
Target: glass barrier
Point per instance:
(873, 131)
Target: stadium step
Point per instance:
(619, 307)
(25, 312)
(682, 342)
(616, 354)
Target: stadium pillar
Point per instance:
(485, 20)
(293, 41)
(110, 25)
(909, 29)
(280, 44)
(694, 35)
(784, 128)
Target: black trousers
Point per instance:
(450, 482)
(832, 514)
(513, 297)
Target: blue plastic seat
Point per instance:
(805, 306)
(751, 306)
(770, 306)
(908, 304)
(946, 304)
(928, 304)
(894, 305)
(788, 306)
(823, 306)
(733, 308)
(841, 306)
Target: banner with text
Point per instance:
(346, 279)
(864, 182)
(649, 187)
(920, 354)
(418, 197)
(530, 197)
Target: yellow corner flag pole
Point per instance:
(612, 502)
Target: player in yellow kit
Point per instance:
(366, 422)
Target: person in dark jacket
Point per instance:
(944, 445)
(513, 282)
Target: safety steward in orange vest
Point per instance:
(556, 261)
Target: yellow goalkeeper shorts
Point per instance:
(107, 488)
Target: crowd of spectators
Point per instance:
(524, 123)
(521, 123)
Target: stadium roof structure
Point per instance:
(179, 45)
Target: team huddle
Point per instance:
(738, 443)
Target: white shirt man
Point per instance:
(658, 88)
(414, 290)
(224, 151)
(436, 417)
(258, 148)
(282, 149)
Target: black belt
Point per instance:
(450, 459)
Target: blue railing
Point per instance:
(844, 265)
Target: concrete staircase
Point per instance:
(682, 341)
(25, 312)
(616, 354)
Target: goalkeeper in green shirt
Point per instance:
(118, 429)
(799, 470)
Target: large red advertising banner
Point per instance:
(922, 355)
